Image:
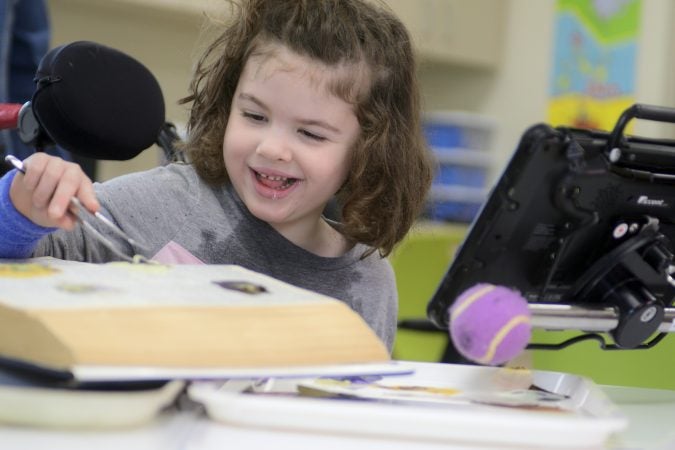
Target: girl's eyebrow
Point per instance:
(307, 122)
(253, 99)
(321, 124)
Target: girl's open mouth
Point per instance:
(275, 182)
(274, 187)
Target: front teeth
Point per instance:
(272, 178)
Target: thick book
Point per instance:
(120, 321)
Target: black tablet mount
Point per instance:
(582, 223)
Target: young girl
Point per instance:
(297, 102)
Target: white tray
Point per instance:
(588, 418)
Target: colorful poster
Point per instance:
(594, 62)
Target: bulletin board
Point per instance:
(594, 62)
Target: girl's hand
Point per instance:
(43, 193)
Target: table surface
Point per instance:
(651, 414)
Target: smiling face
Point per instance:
(288, 140)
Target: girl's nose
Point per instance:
(275, 146)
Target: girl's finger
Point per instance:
(67, 222)
(68, 185)
(49, 180)
(34, 166)
(87, 196)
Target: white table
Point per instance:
(651, 414)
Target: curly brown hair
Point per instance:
(391, 166)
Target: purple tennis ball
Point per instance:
(490, 324)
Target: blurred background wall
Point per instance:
(492, 58)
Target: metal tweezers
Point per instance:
(82, 214)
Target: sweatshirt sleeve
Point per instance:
(18, 235)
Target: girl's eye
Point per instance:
(312, 136)
(253, 116)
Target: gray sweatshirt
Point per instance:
(181, 219)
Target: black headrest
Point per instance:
(97, 101)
